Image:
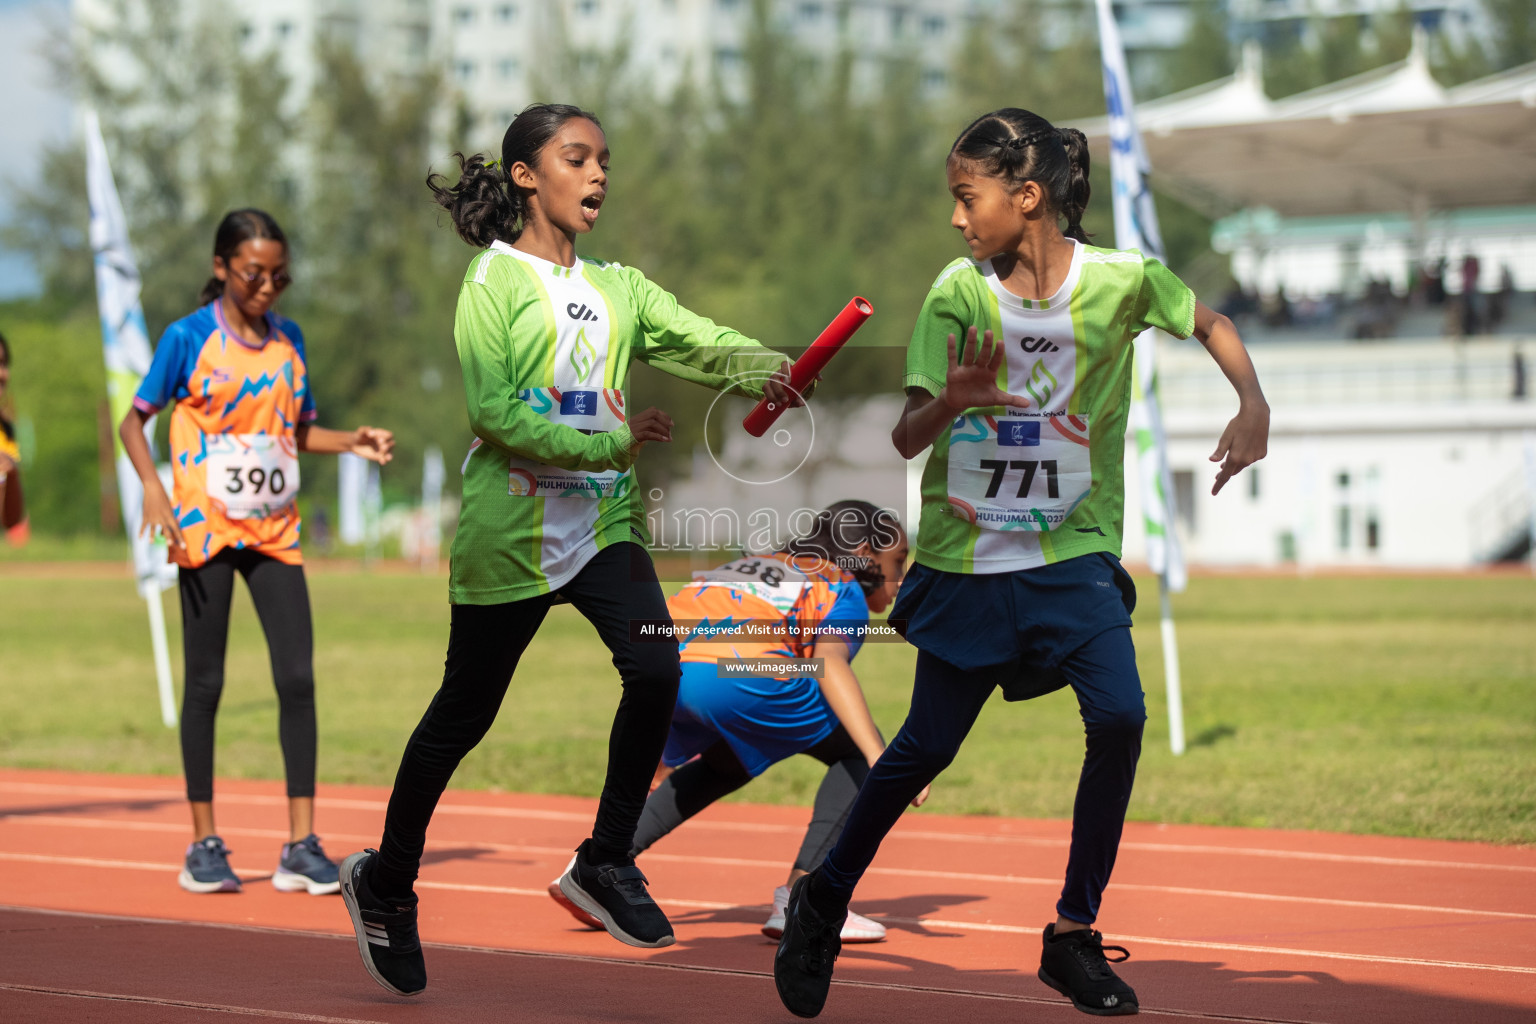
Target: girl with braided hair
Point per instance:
(1017, 582)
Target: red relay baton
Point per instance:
(811, 362)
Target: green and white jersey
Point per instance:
(545, 351)
(1009, 489)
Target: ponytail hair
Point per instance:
(1078, 189)
(237, 228)
(841, 529)
(1018, 146)
(484, 204)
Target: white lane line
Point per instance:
(901, 833)
(181, 1004)
(615, 961)
(925, 922)
(560, 854)
(663, 966)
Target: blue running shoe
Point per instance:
(304, 867)
(207, 868)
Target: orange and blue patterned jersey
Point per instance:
(234, 453)
(768, 606)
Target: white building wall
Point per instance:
(1403, 455)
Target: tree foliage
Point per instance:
(763, 200)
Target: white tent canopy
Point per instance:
(1388, 140)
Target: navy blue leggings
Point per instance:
(945, 703)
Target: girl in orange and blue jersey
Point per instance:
(766, 643)
(235, 376)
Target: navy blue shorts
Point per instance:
(1032, 617)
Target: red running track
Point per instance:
(1223, 924)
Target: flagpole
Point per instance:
(126, 352)
(162, 657)
(1171, 670)
(1136, 228)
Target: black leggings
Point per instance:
(282, 603)
(718, 772)
(484, 645)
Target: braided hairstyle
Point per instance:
(484, 205)
(1018, 146)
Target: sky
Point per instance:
(33, 113)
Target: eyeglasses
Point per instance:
(280, 280)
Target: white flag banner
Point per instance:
(1136, 228)
(125, 347)
(432, 474)
(351, 481)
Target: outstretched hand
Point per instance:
(1244, 442)
(374, 444)
(971, 382)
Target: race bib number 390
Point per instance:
(252, 475)
(1019, 471)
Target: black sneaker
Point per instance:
(615, 894)
(1073, 963)
(802, 968)
(386, 935)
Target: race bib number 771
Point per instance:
(1022, 471)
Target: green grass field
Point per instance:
(1362, 704)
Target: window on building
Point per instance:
(505, 12)
(810, 12)
(506, 67)
(728, 58)
(586, 8)
(933, 26)
(464, 70)
(283, 29)
(898, 20)
(463, 15)
(1253, 483)
(935, 80)
(728, 5)
(246, 31)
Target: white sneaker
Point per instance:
(857, 928)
